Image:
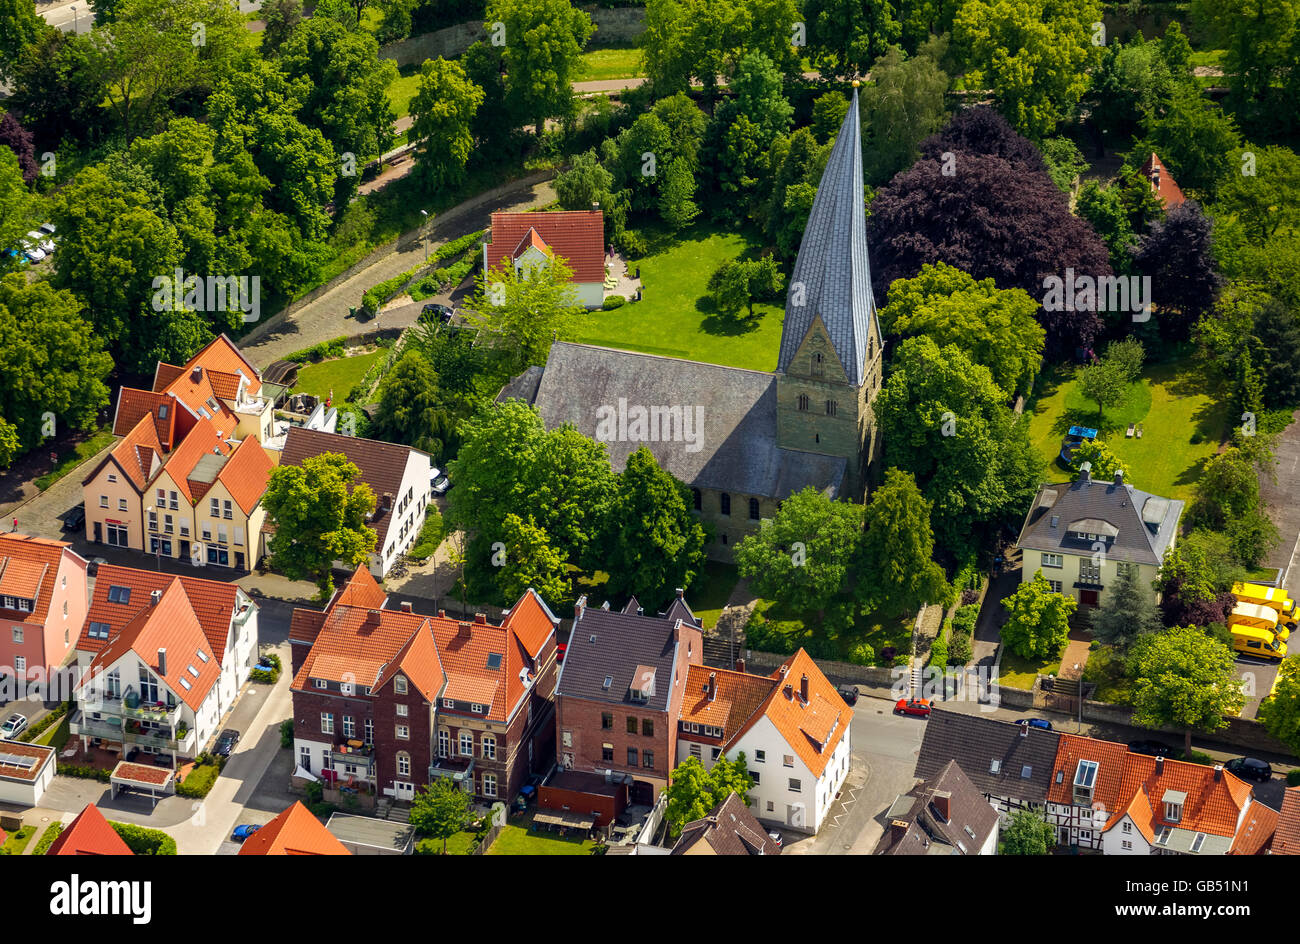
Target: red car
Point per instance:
(913, 706)
(560, 650)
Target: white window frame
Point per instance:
(466, 743)
(327, 722)
(402, 711)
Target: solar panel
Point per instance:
(14, 760)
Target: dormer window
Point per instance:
(162, 411)
(1173, 801)
(1085, 778)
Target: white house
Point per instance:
(26, 771)
(398, 475)
(792, 727)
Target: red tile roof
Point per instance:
(1257, 831)
(26, 554)
(420, 662)
(164, 373)
(89, 834)
(1286, 839)
(214, 603)
(1110, 758)
(361, 590)
(1162, 182)
(136, 453)
(737, 697)
(170, 624)
(531, 620)
(132, 405)
(575, 235)
(355, 644)
(221, 355)
(246, 473)
(204, 439)
(293, 832)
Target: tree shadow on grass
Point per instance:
(721, 324)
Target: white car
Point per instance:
(14, 725)
(434, 473)
(47, 229)
(33, 252)
(440, 485)
(43, 240)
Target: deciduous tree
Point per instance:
(895, 557)
(440, 810)
(444, 108)
(1184, 678)
(1038, 624)
(520, 317)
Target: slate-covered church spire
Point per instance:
(832, 277)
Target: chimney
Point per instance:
(579, 607)
(784, 669)
(1160, 765)
(1119, 476)
(1085, 473)
(406, 606)
(897, 830)
(942, 801)
(740, 665)
(442, 614)
(196, 374)
(386, 502)
(154, 597)
(788, 692)
(640, 611)
(1218, 772)
(680, 593)
(480, 619)
(803, 689)
(1024, 729)
(464, 630)
(713, 685)
(162, 662)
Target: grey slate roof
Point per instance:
(928, 832)
(975, 741)
(523, 387)
(1145, 523)
(606, 643)
(729, 829)
(735, 449)
(832, 265)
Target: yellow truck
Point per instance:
(1260, 643)
(1254, 616)
(1275, 597)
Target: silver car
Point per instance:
(14, 725)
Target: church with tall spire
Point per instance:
(746, 440)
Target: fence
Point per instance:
(489, 837)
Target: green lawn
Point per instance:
(340, 375)
(878, 630)
(403, 89)
(675, 318)
(1020, 673)
(56, 735)
(1182, 425)
(18, 840)
(519, 840)
(611, 64)
(70, 460)
(710, 590)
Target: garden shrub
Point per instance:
(939, 652)
(84, 772)
(53, 718)
(612, 302)
(198, 783)
(286, 732)
(1196, 757)
(47, 838)
(1293, 777)
(963, 619)
(323, 350)
(321, 810)
(144, 841)
(862, 653)
(315, 793)
(959, 650)
(631, 244)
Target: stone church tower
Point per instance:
(828, 370)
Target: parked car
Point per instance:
(14, 725)
(1250, 768)
(15, 256)
(436, 312)
(43, 240)
(48, 229)
(560, 650)
(226, 742)
(920, 707)
(440, 486)
(74, 518)
(1038, 723)
(243, 832)
(849, 693)
(32, 251)
(775, 837)
(1152, 748)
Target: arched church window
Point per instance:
(726, 503)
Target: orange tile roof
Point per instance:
(420, 662)
(575, 235)
(465, 659)
(169, 624)
(1212, 806)
(164, 373)
(204, 439)
(1110, 758)
(356, 643)
(133, 405)
(293, 832)
(194, 389)
(220, 354)
(134, 454)
(246, 473)
(1286, 839)
(214, 603)
(1257, 830)
(739, 695)
(26, 552)
(225, 385)
(1139, 810)
(305, 625)
(361, 590)
(89, 834)
(1165, 187)
(531, 241)
(813, 730)
(21, 578)
(532, 622)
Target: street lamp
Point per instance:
(424, 225)
(75, 19)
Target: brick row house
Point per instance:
(187, 477)
(1098, 795)
(387, 700)
(162, 659)
(634, 700)
(42, 605)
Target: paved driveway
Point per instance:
(1283, 506)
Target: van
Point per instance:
(1258, 642)
(1275, 597)
(1254, 616)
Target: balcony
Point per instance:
(80, 725)
(459, 769)
(355, 753)
(154, 740)
(128, 705)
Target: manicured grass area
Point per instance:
(18, 840)
(1182, 425)
(339, 375)
(56, 735)
(402, 89)
(710, 590)
(521, 840)
(462, 843)
(675, 318)
(1105, 669)
(1020, 673)
(1207, 57)
(70, 460)
(611, 64)
(786, 631)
